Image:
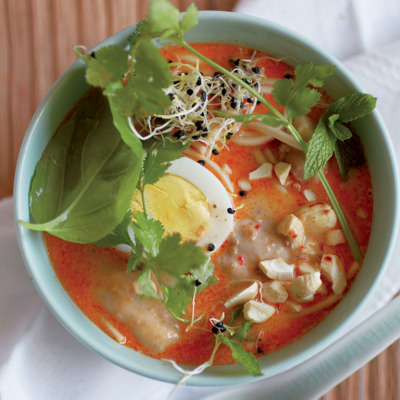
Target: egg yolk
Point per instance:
(178, 204)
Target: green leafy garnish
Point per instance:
(245, 358)
(332, 128)
(86, 177)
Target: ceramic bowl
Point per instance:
(279, 42)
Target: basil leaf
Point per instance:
(86, 177)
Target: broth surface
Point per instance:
(97, 281)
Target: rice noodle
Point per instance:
(215, 167)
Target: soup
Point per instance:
(281, 262)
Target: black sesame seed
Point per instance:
(258, 102)
(242, 193)
(246, 81)
(259, 350)
(211, 247)
(288, 76)
(199, 125)
(196, 137)
(197, 282)
(237, 62)
(203, 95)
(176, 82)
(93, 54)
(215, 152)
(178, 134)
(201, 162)
(219, 324)
(171, 96)
(231, 211)
(234, 102)
(189, 92)
(198, 82)
(255, 85)
(214, 330)
(217, 74)
(256, 70)
(250, 100)
(222, 330)
(223, 92)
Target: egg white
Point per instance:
(217, 197)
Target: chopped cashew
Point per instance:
(243, 296)
(277, 269)
(274, 292)
(257, 312)
(335, 237)
(263, 171)
(292, 227)
(282, 170)
(332, 269)
(317, 217)
(304, 287)
(259, 156)
(306, 268)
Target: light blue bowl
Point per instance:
(277, 41)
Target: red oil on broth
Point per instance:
(95, 277)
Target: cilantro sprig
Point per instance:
(298, 96)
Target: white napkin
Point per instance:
(39, 359)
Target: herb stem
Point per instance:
(288, 124)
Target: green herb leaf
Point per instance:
(146, 286)
(148, 232)
(163, 17)
(295, 95)
(320, 149)
(352, 107)
(248, 360)
(177, 258)
(86, 177)
(119, 235)
(267, 119)
(240, 334)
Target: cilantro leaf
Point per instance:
(148, 232)
(178, 258)
(140, 31)
(296, 95)
(119, 235)
(146, 286)
(248, 360)
(158, 158)
(166, 19)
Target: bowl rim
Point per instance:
(141, 364)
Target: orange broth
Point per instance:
(82, 269)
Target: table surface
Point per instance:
(36, 39)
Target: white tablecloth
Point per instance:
(40, 360)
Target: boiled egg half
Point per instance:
(189, 200)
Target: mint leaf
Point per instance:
(248, 360)
(241, 333)
(352, 107)
(320, 149)
(349, 154)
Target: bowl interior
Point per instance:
(277, 41)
